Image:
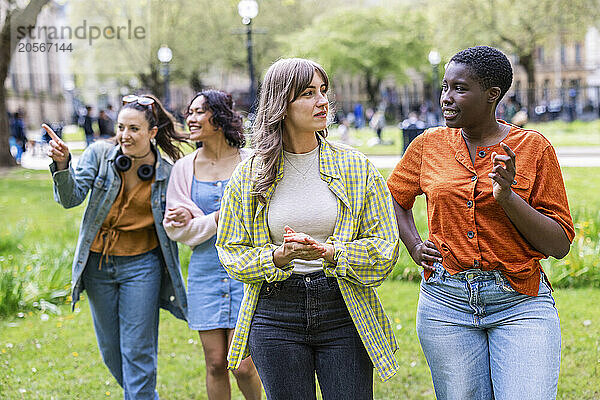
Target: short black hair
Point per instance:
(489, 66)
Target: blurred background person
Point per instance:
(106, 125)
(18, 137)
(88, 129)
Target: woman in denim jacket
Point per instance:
(124, 258)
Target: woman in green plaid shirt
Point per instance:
(309, 227)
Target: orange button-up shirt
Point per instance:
(467, 225)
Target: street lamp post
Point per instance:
(434, 59)
(165, 55)
(248, 9)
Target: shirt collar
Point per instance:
(327, 166)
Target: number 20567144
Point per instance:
(42, 47)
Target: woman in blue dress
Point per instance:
(193, 203)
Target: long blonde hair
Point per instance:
(284, 81)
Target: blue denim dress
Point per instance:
(214, 299)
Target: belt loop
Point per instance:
(499, 278)
(442, 271)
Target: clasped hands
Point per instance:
(181, 216)
(298, 245)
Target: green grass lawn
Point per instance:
(74, 134)
(58, 358)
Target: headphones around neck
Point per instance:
(123, 163)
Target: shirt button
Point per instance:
(481, 154)
(307, 279)
(225, 295)
(514, 182)
(474, 178)
(219, 184)
(469, 204)
(225, 279)
(476, 263)
(470, 234)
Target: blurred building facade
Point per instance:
(36, 79)
(567, 79)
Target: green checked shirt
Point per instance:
(365, 240)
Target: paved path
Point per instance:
(567, 157)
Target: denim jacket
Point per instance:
(96, 171)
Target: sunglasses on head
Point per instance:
(141, 100)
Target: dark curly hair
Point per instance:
(489, 66)
(223, 116)
(167, 135)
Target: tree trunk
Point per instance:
(6, 159)
(14, 18)
(372, 88)
(152, 81)
(196, 82)
(527, 61)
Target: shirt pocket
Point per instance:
(99, 191)
(521, 185)
(100, 183)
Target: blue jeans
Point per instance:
(124, 297)
(302, 326)
(483, 340)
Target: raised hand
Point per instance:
(179, 216)
(425, 254)
(503, 173)
(58, 150)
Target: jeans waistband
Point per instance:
(302, 279)
(471, 275)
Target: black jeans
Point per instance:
(302, 326)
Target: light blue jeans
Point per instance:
(483, 340)
(124, 297)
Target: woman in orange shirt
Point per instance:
(496, 205)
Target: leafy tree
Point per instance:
(517, 27)
(205, 37)
(373, 42)
(15, 16)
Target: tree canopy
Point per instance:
(517, 27)
(373, 42)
